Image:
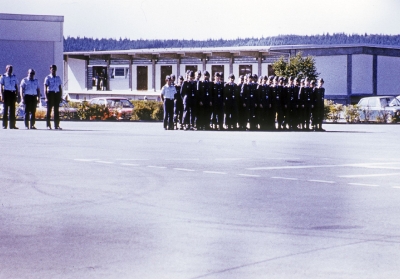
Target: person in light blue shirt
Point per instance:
(53, 93)
(167, 96)
(9, 94)
(30, 96)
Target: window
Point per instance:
(245, 69)
(120, 72)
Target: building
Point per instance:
(349, 71)
(31, 41)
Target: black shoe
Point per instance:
(48, 127)
(58, 128)
(26, 127)
(15, 127)
(33, 128)
(4, 127)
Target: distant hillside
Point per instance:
(88, 44)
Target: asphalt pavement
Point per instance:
(131, 200)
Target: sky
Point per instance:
(214, 19)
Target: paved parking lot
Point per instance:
(130, 200)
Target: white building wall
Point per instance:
(388, 75)
(333, 69)
(31, 41)
(76, 75)
(362, 74)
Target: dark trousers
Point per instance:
(218, 115)
(252, 118)
(169, 113)
(178, 112)
(189, 113)
(243, 117)
(53, 100)
(10, 98)
(231, 116)
(30, 109)
(204, 116)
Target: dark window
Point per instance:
(271, 71)
(245, 69)
(141, 77)
(165, 71)
(217, 68)
(191, 68)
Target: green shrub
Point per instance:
(147, 110)
(351, 113)
(332, 111)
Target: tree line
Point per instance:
(90, 44)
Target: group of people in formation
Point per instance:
(254, 103)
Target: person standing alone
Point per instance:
(53, 93)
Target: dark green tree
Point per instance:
(298, 66)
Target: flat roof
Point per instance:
(233, 50)
(21, 17)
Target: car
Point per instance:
(65, 110)
(122, 108)
(381, 109)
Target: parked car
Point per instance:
(383, 109)
(121, 107)
(66, 111)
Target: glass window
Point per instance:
(119, 72)
(372, 102)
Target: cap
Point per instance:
(241, 77)
(180, 77)
(265, 77)
(198, 72)
(321, 80)
(254, 76)
(291, 78)
(217, 74)
(168, 77)
(206, 73)
(173, 76)
(191, 74)
(231, 76)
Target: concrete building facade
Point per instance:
(349, 71)
(31, 41)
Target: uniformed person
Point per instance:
(292, 96)
(252, 102)
(218, 103)
(319, 106)
(188, 93)
(9, 93)
(265, 104)
(294, 105)
(30, 96)
(205, 102)
(178, 105)
(168, 92)
(231, 102)
(309, 101)
(302, 105)
(53, 93)
(242, 106)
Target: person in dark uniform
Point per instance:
(292, 96)
(319, 106)
(30, 96)
(178, 105)
(294, 105)
(198, 81)
(285, 103)
(280, 96)
(167, 95)
(9, 94)
(218, 102)
(309, 102)
(53, 93)
(242, 105)
(188, 93)
(265, 104)
(205, 102)
(276, 104)
(252, 102)
(231, 102)
(302, 105)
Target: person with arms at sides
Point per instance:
(9, 94)
(30, 96)
(168, 92)
(53, 93)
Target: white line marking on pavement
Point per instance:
(129, 165)
(156, 167)
(228, 159)
(363, 165)
(322, 181)
(286, 178)
(396, 187)
(104, 162)
(369, 175)
(86, 160)
(249, 175)
(182, 159)
(178, 169)
(132, 159)
(214, 172)
(362, 184)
